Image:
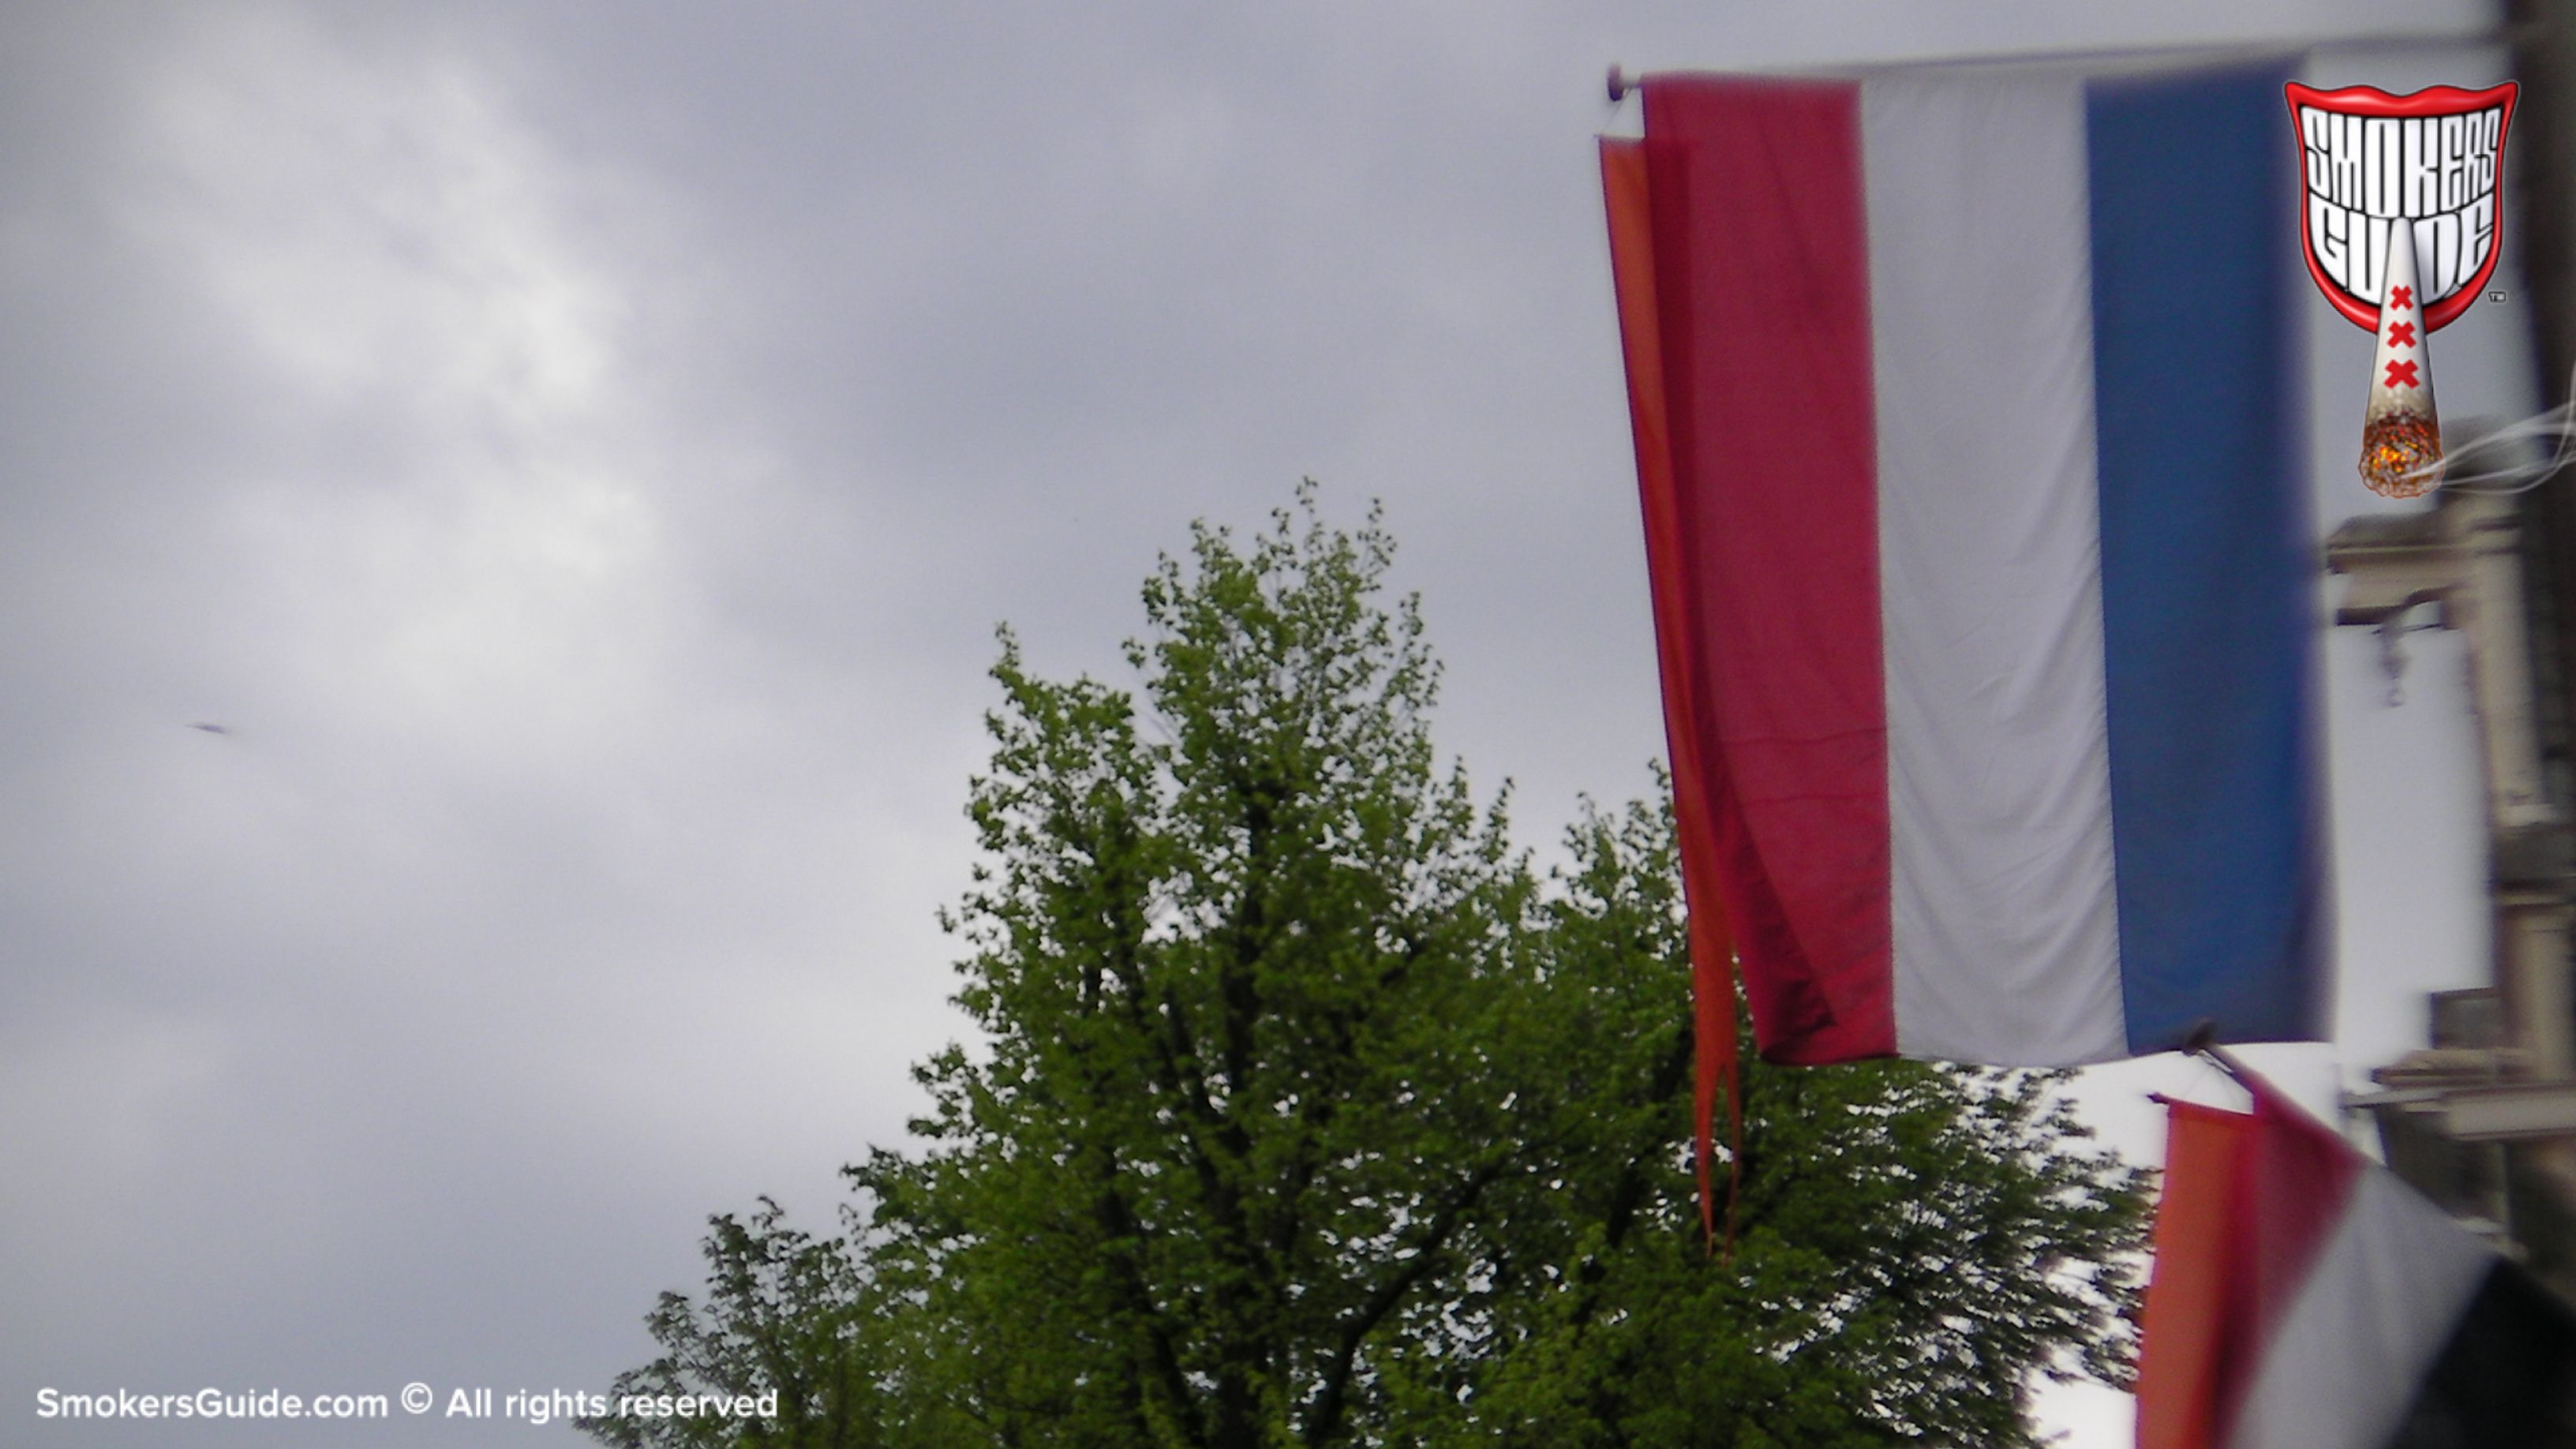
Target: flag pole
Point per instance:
(1623, 85)
(2202, 1041)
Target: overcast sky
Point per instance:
(578, 454)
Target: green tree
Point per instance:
(784, 1312)
(1915, 1244)
(1306, 1112)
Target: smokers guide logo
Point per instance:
(2402, 214)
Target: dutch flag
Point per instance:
(1970, 414)
(2305, 1298)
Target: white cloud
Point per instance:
(373, 221)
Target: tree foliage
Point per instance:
(1305, 1111)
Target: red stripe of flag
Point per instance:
(2292, 1180)
(1761, 271)
(2249, 1201)
(2183, 1334)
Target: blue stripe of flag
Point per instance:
(2216, 828)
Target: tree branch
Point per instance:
(1324, 1420)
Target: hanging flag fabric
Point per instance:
(1981, 405)
(2305, 1298)
(1713, 1027)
